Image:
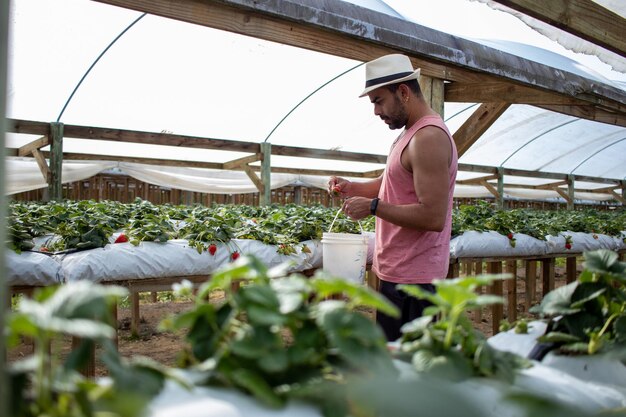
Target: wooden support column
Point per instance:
(56, 161)
(266, 174)
(478, 270)
(511, 291)
(531, 283)
(134, 312)
(500, 198)
(433, 92)
(453, 269)
(570, 192)
(497, 310)
(570, 269)
(90, 367)
(547, 275)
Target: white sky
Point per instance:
(186, 79)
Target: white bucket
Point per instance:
(344, 255)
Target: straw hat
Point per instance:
(388, 69)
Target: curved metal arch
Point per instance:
(461, 111)
(595, 153)
(552, 129)
(309, 96)
(96, 61)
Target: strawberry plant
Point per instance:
(588, 316)
(42, 385)
(443, 342)
(279, 336)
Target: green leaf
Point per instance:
(557, 301)
(557, 337)
(254, 383)
(619, 328)
(451, 364)
(604, 261)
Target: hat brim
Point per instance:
(413, 76)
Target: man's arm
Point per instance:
(428, 156)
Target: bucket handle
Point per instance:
(337, 214)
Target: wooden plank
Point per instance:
(266, 173)
(478, 270)
(477, 124)
(583, 18)
(255, 180)
(511, 291)
(362, 34)
(238, 163)
(497, 310)
(486, 92)
(491, 189)
(478, 180)
(588, 112)
(34, 145)
(56, 162)
(134, 312)
(531, 283)
(43, 165)
(570, 269)
(547, 274)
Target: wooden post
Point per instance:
(547, 275)
(570, 269)
(531, 283)
(511, 291)
(266, 173)
(56, 161)
(497, 310)
(90, 368)
(478, 270)
(570, 192)
(453, 269)
(433, 92)
(134, 312)
(500, 199)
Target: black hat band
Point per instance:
(387, 78)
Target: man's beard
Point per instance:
(398, 119)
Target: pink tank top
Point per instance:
(403, 255)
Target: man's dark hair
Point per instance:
(413, 85)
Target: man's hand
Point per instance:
(357, 208)
(338, 187)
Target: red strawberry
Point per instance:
(234, 256)
(44, 249)
(121, 238)
(510, 235)
(336, 190)
(212, 248)
(568, 246)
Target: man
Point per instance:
(412, 200)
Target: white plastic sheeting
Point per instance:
(568, 40)
(32, 269)
(174, 258)
(188, 91)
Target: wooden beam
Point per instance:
(564, 194)
(499, 91)
(589, 113)
(34, 145)
(477, 124)
(43, 165)
(583, 18)
(491, 189)
(618, 197)
(327, 154)
(347, 30)
(255, 180)
(237, 163)
(478, 180)
(551, 185)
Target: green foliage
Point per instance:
(279, 337)
(44, 387)
(444, 343)
(589, 315)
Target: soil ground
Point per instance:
(166, 347)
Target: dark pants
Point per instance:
(410, 308)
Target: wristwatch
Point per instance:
(374, 206)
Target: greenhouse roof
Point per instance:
(288, 73)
